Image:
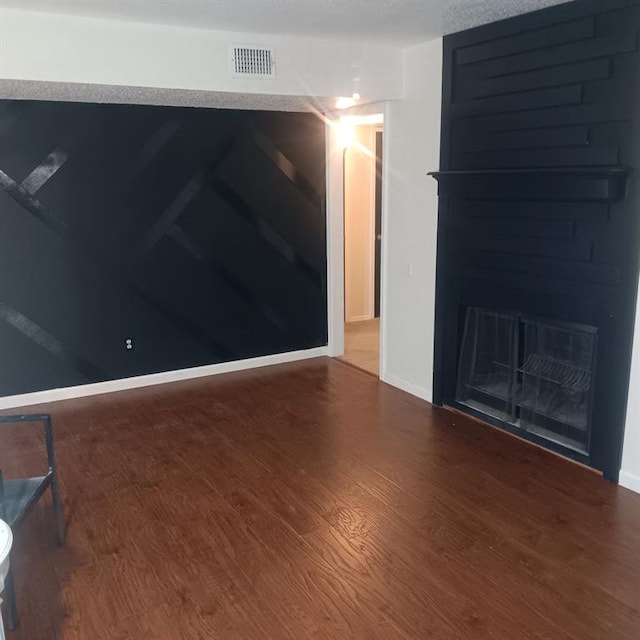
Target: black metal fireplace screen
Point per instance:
(533, 374)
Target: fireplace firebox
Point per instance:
(535, 375)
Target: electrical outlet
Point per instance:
(128, 344)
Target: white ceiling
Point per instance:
(390, 21)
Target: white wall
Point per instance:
(359, 224)
(630, 471)
(59, 48)
(410, 219)
(335, 242)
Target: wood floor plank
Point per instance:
(311, 500)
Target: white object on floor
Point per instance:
(6, 540)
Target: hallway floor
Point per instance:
(362, 345)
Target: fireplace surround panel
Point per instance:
(538, 229)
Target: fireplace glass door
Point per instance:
(533, 374)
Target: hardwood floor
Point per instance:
(362, 345)
(312, 501)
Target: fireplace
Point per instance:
(538, 247)
(535, 297)
(534, 375)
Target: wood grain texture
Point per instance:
(312, 501)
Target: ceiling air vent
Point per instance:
(248, 61)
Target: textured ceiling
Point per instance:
(391, 21)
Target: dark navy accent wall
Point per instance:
(538, 215)
(197, 233)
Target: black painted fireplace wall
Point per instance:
(539, 191)
(198, 234)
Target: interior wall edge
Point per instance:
(409, 221)
(335, 242)
(630, 465)
(123, 384)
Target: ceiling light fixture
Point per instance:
(345, 103)
(346, 134)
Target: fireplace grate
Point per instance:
(572, 379)
(534, 375)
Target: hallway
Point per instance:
(362, 345)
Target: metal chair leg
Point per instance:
(57, 508)
(12, 607)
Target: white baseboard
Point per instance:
(630, 481)
(52, 395)
(414, 390)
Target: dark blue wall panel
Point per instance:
(536, 109)
(198, 233)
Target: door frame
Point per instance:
(335, 231)
(378, 138)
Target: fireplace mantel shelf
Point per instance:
(599, 184)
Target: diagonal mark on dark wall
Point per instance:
(193, 248)
(107, 208)
(35, 207)
(287, 168)
(188, 193)
(170, 215)
(44, 171)
(154, 144)
(238, 205)
(48, 342)
(30, 203)
(71, 144)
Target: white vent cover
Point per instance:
(250, 61)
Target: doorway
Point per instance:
(363, 246)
